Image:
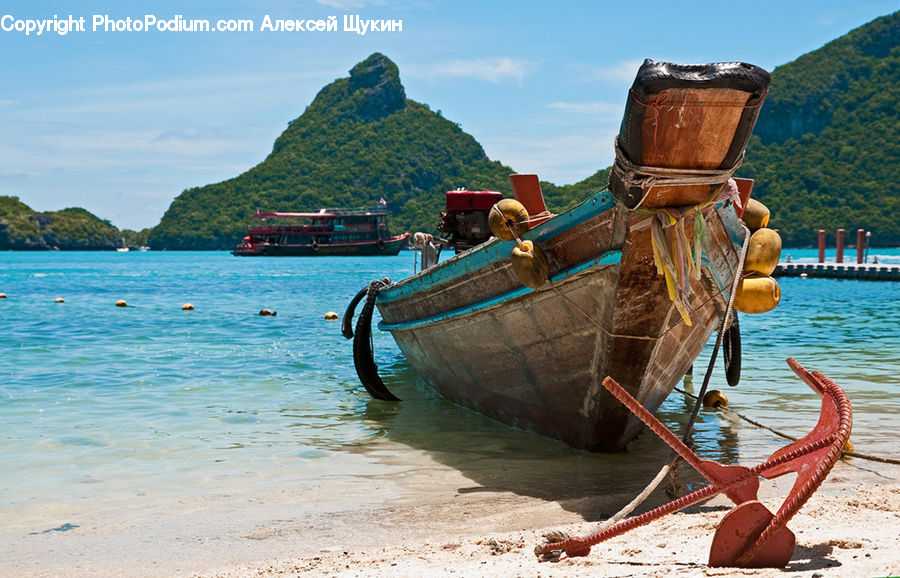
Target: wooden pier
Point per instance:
(866, 271)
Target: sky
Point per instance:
(120, 122)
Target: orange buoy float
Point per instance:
(59, 300)
(763, 252)
(121, 303)
(187, 307)
(715, 399)
(530, 264)
(267, 313)
(2, 295)
(756, 294)
(331, 316)
(756, 215)
(508, 216)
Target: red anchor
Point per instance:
(749, 536)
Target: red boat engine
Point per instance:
(465, 220)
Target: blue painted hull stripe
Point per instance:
(483, 256)
(609, 258)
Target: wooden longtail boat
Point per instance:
(639, 274)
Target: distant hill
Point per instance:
(21, 227)
(826, 148)
(824, 155)
(359, 141)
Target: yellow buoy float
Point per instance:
(508, 216)
(530, 264)
(2, 295)
(756, 215)
(59, 300)
(187, 307)
(714, 399)
(267, 313)
(121, 303)
(763, 252)
(331, 316)
(757, 294)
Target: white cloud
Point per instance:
(560, 159)
(620, 71)
(496, 70)
(616, 75)
(596, 108)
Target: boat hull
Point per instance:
(535, 359)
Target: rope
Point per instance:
(726, 322)
(780, 434)
(671, 467)
(647, 176)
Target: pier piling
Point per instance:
(821, 245)
(839, 256)
(860, 245)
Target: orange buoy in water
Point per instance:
(121, 303)
(331, 316)
(2, 295)
(60, 300)
(715, 399)
(267, 313)
(187, 307)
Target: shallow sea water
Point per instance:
(106, 405)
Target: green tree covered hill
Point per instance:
(826, 148)
(360, 140)
(21, 227)
(824, 156)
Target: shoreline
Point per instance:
(416, 516)
(850, 527)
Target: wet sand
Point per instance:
(411, 514)
(851, 527)
(429, 519)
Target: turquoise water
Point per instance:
(106, 403)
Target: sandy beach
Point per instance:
(420, 517)
(851, 527)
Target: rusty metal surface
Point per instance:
(749, 536)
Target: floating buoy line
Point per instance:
(264, 312)
(848, 449)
